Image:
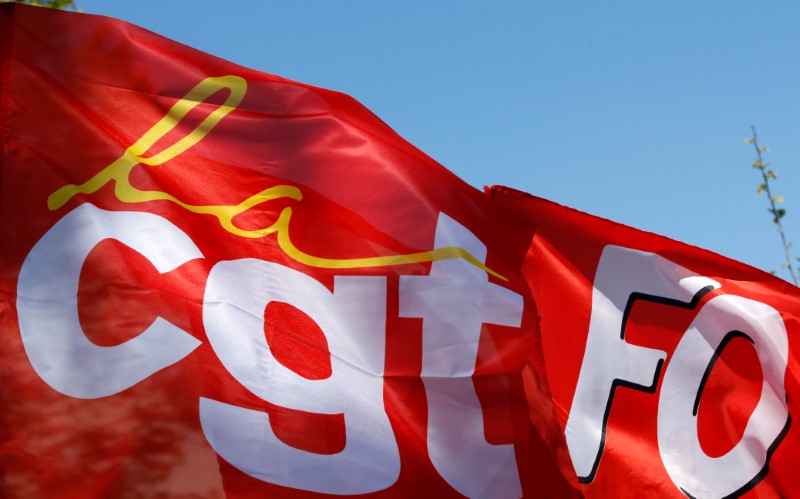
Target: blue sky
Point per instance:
(634, 111)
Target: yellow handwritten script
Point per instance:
(119, 173)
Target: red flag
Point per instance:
(221, 282)
(673, 370)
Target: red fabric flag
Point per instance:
(220, 282)
(673, 370)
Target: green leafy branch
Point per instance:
(767, 174)
(53, 4)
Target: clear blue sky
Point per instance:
(631, 110)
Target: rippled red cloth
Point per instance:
(219, 282)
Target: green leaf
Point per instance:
(53, 4)
(777, 214)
